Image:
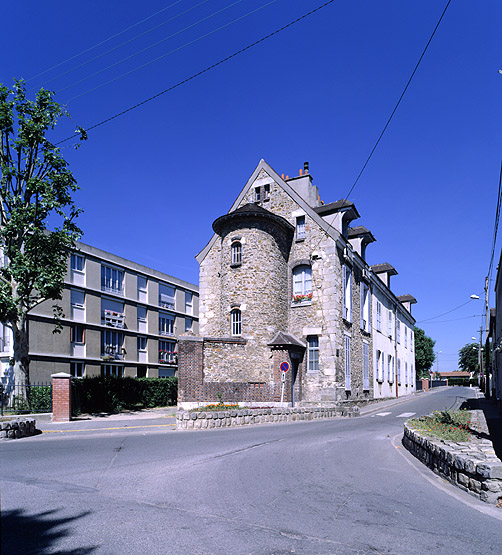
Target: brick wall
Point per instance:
(61, 397)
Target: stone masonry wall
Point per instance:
(186, 420)
(471, 466)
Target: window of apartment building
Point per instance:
(398, 330)
(411, 374)
(236, 321)
(188, 324)
(379, 316)
(188, 303)
(347, 293)
(379, 365)
(167, 372)
(166, 324)
(111, 343)
(390, 322)
(141, 372)
(366, 366)
(405, 337)
(112, 313)
(390, 369)
(141, 344)
(300, 227)
(236, 249)
(313, 353)
(77, 269)
(399, 371)
(266, 191)
(4, 337)
(347, 363)
(112, 280)
(77, 334)
(112, 370)
(141, 315)
(142, 289)
(166, 296)
(167, 351)
(77, 369)
(406, 373)
(411, 341)
(302, 283)
(365, 308)
(77, 303)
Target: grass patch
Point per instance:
(451, 425)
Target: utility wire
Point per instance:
(496, 224)
(123, 44)
(398, 102)
(168, 53)
(103, 41)
(445, 313)
(205, 70)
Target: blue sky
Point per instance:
(153, 181)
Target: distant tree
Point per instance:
(424, 353)
(37, 213)
(468, 358)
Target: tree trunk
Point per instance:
(21, 349)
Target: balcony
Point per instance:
(168, 357)
(113, 319)
(113, 352)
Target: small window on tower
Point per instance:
(236, 253)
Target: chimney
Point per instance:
(306, 167)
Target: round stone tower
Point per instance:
(255, 246)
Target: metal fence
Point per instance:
(25, 399)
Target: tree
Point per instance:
(37, 213)
(424, 353)
(468, 358)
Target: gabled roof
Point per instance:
(330, 230)
(361, 231)
(384, 268)
(407, 299)
(282, 338)
(251, 211)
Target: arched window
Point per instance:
(236, 321)
(236, 253)
(302, 280)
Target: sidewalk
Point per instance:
(164, 417)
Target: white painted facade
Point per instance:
(393, 343)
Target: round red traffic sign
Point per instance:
(284, 366)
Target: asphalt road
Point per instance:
(341, 486)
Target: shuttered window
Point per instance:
(347, 363)
(366, 366)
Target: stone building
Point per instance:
(284, 279)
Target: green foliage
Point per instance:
(36, 188)
(468, 358)
(112, 395)
(446, 424)
(40, 398)
(424, 353)
(466, 382)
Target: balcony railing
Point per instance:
(113, 319)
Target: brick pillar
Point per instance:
(190, 368)
(61, 397)
(425, 384)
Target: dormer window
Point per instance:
(257, 194)
(300, 228)
(236, 253)
(266, 192)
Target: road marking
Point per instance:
(117, 428)
(382, 413)
(406, 415)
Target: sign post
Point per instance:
(284, 369)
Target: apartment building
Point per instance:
(120, 319)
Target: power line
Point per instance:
(496, 224)
(123, 44)
(103, 41)
(445, 313)
(205, 70)
(398, 102)
(168, 53)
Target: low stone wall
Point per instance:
(18, 427)
(186, 420)
(471, 466)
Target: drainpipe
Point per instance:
(395, 351)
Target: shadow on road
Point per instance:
(493, 420)
(37, 533)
